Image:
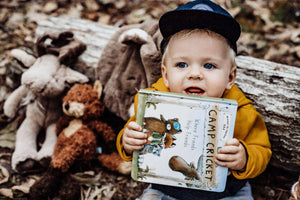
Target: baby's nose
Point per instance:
(195, 72)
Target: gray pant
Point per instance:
(244, 193)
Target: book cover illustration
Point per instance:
(184, 132)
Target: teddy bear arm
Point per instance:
(104, 130)
(69, 149)
(86, 142)
(109, 135)
(62, 123)
(13, 102)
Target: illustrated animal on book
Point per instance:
(177, 163)
(161, 126)
(40, 93)
(160, 133)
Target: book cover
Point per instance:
(184, 133)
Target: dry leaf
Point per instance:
(6, 192)
(276, 51)
(102, 193)
(91, 5)
(234, 11)
(295, 36)
(4, 175)
(50, 6)
(297, 50)
(86, 178)
(24, 187)
(137, 16)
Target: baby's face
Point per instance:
(198, 64)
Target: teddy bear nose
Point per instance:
(67, 106)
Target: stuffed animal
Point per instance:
(80, 131)
(41, 90)
(138, 65)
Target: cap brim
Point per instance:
(175, 21)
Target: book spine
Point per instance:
(139, 119)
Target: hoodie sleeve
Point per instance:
(119, 142)
(251, 130)
(159, 86)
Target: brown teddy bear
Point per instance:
(80, 131)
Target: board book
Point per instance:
(184, 132)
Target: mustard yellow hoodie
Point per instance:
(249, 128)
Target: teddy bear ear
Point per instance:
(98, 88)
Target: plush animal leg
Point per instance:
(114, 162)
(25, 144)
(47, 186)
(54, 183)
(70, 189)
(68, 149)
(46, 152)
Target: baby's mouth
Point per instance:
(194, 91)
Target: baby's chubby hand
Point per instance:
(232, 155)
(133, 139)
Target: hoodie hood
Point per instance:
(236, 94)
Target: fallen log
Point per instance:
(273, 87)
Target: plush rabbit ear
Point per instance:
(69, 53)
(26, 59)
(98, 88)
(50, 43)
(63, 45)
(135, 35)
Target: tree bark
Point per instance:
(274, 90)
(273, 87)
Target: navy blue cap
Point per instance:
(202, 14)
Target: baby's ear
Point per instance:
(231, 79)
(165, 75)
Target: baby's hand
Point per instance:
(133, 139)
(232, 155)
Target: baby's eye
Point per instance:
(209, 66)
(181, 65)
